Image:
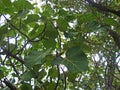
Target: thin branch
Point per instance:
(14, 67)
(57, 84)
(8, 53)
(65, 83)
(10, 85)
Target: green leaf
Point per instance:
(22, 4)
(87, 17)
(110, 21)
(92, 26)
(53, 73)
(49, 43)
(19, 4)
(71, 76)
(75, 61)
(32, 18)
(62, 24)
(1, 73)
(41, 75)
(36, 57)
(28, 75)
(6, 7)
(25, 86)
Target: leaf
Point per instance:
(19, 4)
(49, 43)
(25, 86)
(71, 76)
(53, 73)
(110, 21)
(36, 57)
(87, 17)
(6, 7)
(75, 61)
(92, 26)
(28, 75)
(41, 74)
(32, 18)
(62, 24)
(22, 4)
(1, 74)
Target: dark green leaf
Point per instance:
(41, 75)
(32, 18)
(110, 21)
(36, 57)
(28, 75)
(76, 60)
(25, 86)
(1, 74)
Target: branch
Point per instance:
(115, 36)
(103, 8)
(10, 85)
(58, 78)
(7, 52)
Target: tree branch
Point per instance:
(7, 52)
(10, 85)
(99, 7)
(116, 37)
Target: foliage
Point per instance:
(59, 45)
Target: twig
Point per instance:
(58, 78)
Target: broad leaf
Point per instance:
(28, 75)
(75, 61)
(32, 18)
(110, 21)
(25, 86)
(36, 57)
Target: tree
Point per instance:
(59, 45)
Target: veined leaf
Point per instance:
(36, 57)
(75, 61)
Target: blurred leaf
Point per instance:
(22, 4)
(1, 73)
(62, 24)
(28, 75)
(36, 57)
(26, 86)
(110, 21)
(32, 18)
(41, 75)
(53, 73)
(75, 61)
